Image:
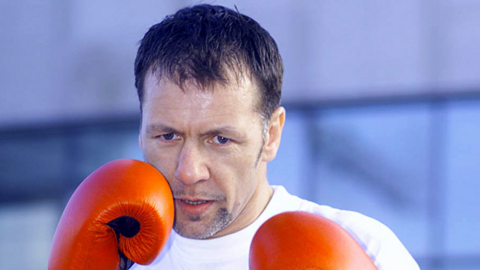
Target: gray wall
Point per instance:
(73, 59)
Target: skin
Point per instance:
(211, 147)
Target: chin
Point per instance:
(203, 229)
(193, 233)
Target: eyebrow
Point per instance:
(165, 128)
(161, 128)
(222, 130)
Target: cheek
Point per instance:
(161, 159)
(242, 179)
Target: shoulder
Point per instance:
(378, 241)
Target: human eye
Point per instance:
(169, 136)
(221, 140)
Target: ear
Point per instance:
(274, 134)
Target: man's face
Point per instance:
(209, 146)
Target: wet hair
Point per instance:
(208, 43)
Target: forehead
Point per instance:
(166, 100)
(235, 88)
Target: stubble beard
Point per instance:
(221, 220)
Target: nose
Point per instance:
(191, 166)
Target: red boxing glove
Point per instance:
(121, 213)
(301, 240)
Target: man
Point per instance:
(209, 83)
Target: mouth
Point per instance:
(193, 202)
(193, 206)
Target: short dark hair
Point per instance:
(203, 43)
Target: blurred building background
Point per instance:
(382, 98)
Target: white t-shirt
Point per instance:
(230, 252)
